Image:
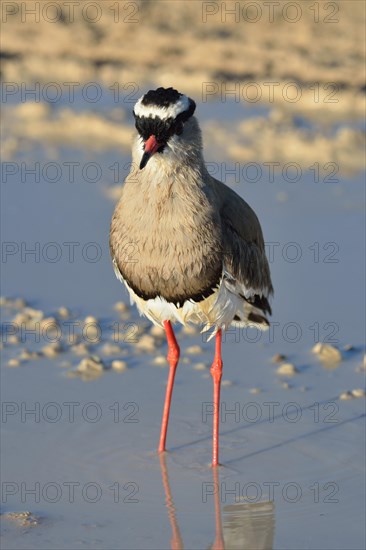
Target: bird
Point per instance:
(187, 247)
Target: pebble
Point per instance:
(92, 363)
(49, 323)
(278, 358)
(119, 365)
(28, 318)
(23, 519)
(158, 332)
(346, 395)
(52, 350)
(33, 313)
(26, 355)
(13, 339)
(353, 394)
(200, 366)
(89, 368)
(80, 349)
(226, 383)
(146, 343)
(287, 369)
(121, 306)
(13, 363)
(64, 312)
(160, 360)
(358, 392)
(348, 347)
(194, 350)
(90, 320)
(18, 303)
(190, 330)
(111, 349)
(255, 391)
(92, 330)
(327, 353)
(286, 385)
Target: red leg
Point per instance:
(216, 373)
(173, 358)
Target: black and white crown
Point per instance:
(165, 103)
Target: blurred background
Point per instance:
(280, 93)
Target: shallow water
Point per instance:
(293, 457)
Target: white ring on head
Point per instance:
(162, 112)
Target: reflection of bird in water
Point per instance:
(198, 248)
(249, 526)
(176, 540)
(246, 526)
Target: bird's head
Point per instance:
(160, 119)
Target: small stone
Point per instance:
(160, 360)
(23, 519)
(13, 363)
(92, 363)
(80, 349)
(51, 324)
(157, 331)
(190, 330)
(287, 369)
(34, 313)
(286, 385)
(119, 365)
(121, 306)
(26, 355)
(90, 320)
(92, 331)
(19, 303)
(111, 349)
(327, 353)
(194, 350)
(255, 391)
(278, 358)
(12, 339)
(186, 361)
(348, 347)
(146, 343)
(226, 383)
(358, 392)
(63, 312)
(345, 396)
(52, 350)
(200, 366)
